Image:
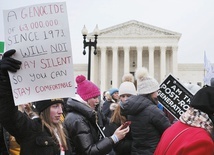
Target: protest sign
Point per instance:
(174, 96)
(40, 34)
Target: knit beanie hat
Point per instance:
(145, 83)
(127, 86)
(86, 89)
(113, 90)
(204, 100)
(40, 106)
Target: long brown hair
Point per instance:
(117, 117)
(46, 122)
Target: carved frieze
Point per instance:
(136, 29)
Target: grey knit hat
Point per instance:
(127, 86)
(145, 83)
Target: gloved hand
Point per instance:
(9, 64)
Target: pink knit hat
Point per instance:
(86, 89)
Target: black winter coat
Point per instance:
(84, 135)
(148, 124)
(4, 141)
(123, 147)
(28, 132)
(106, 109)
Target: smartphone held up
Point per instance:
(127, 123)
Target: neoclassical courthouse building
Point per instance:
(124, 47)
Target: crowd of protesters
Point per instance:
(81, 125)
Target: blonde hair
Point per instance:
(46, 122)
(108, 96)
(117, 117)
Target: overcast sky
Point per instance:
(194, 19)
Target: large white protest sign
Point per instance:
(174, 96)
(40, 35)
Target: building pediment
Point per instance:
(134, 28)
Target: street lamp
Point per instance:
(90, 44)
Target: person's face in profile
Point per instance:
(115, 95)
(92, 102)
(55, 112)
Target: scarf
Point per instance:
(197, 118)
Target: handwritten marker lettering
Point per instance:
(40, 35)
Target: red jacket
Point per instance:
(182, 139)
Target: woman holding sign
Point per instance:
(40, 136)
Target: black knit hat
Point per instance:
(204, 100)
(42, 105)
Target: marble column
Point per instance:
(163, 63)
(126, 60)
(174, 61)
(151, 60)
(115, 67)
(103, 69)
(139, 56)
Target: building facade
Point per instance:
(124, 47)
